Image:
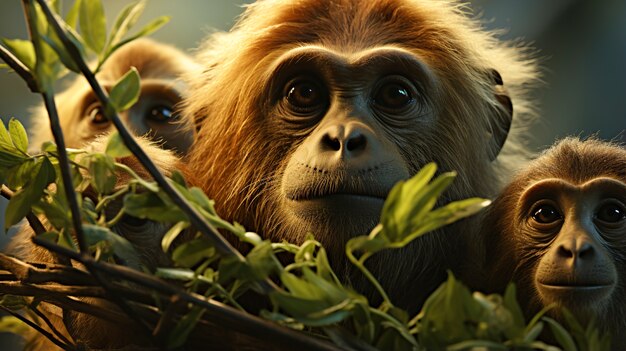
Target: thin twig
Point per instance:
(66, 174)
(21, 289)
(195, 218)
(19, 68)
(33, 307)
(43, 273)
(39, 329)
(228, 316)
(57, 133)
(59, 296)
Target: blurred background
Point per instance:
(581, 44)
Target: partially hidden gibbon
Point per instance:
(156, 114)
(559, 232)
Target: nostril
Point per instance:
(586, 251)
(332, 143)
(357, 143)
(565, 252)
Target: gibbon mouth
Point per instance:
(576, 287)
(321, 191)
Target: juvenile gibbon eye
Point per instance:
(305, 95)
(545, 214)
(162, 114)
(393, 95)
(96, 115)
(611, 213)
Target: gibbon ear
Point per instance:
(500, 123)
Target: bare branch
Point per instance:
(55, 126)
(29, 273)
(33, 307)
(39, 329)
(19, 68)
(229, 317)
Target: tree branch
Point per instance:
(53, 329)
(229, 317)
(19, 68)
(39, 329)
(32, 274)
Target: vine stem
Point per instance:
(359, 264)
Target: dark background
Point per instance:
(581, 43)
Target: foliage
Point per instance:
(305, 295)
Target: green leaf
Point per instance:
(193, 252)
(534, 332)
(72, 15)
(21, 174)
(125, 20)
(511, 304)
(477, 345)
(367, 244)
(116, 147)
(13, 325)
(102, 170)
(122, 248)
(312, 312)
(93, 24)
(182, 274)
(56, 45)
(126, 91)
(21, 203)
(5, 138)
(391, 339)
(262, 261)
(151, 206)
(148, 29)
(561, 335)
(58, 215)
(183, 328)
(23, 50)
(18, 135)
(172, 234)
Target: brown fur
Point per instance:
(511, 257)
(240, 155)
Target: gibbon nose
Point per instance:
(347, 142)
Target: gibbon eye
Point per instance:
(96, 115)
(393, 95)
(546, 214)
(162, 113)
(305, 95)
(611, 213)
